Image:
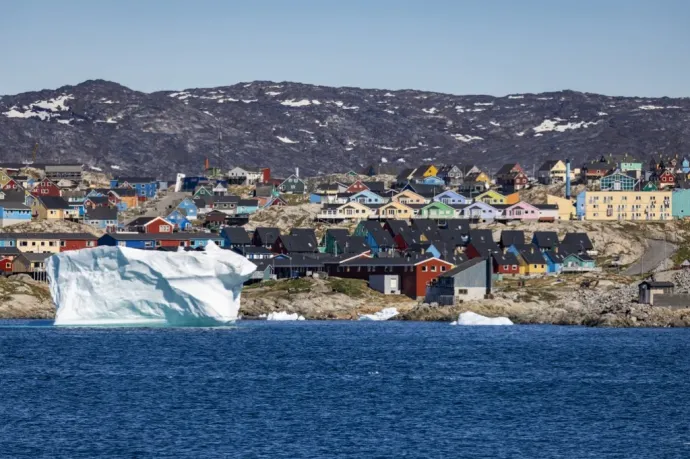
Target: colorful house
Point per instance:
(617, 181)
(150, 225)
(46, 188)
(146, 241)
(104, 218)
(680, 204)
(13, 213)
(395, 210)
(577, 262)
(367, 197)
(145, 187)
(247, 206)
(451, 197)
(293, 185)
(179, 219)
(53, 208)
(123, 198)
(480, 212)
(409, 197)
(189, 208)
(356, 187)
(433, 180)
(437, 210)
(625, 205)
(202, 191)
(521, 211)
(491, 197)
(554, 261)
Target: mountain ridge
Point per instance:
(322, 129)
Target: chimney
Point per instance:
(297, 172)
(206, 165)
(567, 179)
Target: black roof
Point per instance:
(303, 260)
(299, 244)
(246, 250)
(506, 169)
(404, 175)
(236, 235)
(375, 186)
(459, 224)
(101, 213)
(510, 237)
(141, 221)
(14, 195)
(179, 236)
(229, 199)
(504, 259)
(580, 240)
(397, 226)
(568, 250)
(354, 244)
(37, 257)
(124, 191)
(545, 239)
(658, 284)
(531, 254)
(486, 248)
(306, 233)
(548, 165)
(98, 199)
(426, 190)
(14, 205)
(546, 206)
(555, 256)
(267, 235)
(481, 236)
(54, 202)
(412, 236)
(248, 202)
(463, 266)
(9, 251)
(339, 234)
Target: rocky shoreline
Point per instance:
(609, 304)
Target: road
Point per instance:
(657, 252)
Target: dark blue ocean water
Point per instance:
(345, 389)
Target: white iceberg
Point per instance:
(120, 286)
(281, 316)
(383, 314)
(471, 318)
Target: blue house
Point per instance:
(554, 261)
(101, 217)
(189, 208)
(451, 197)
(189, 184)
(685, 165)
(8, 240)
(14, 213)
(367, 197)
(378, 239)
(480, 211)
(315, 198)
(247, 206)
(580, 205)
(178, 218)
(97, 193)
(201, 240)
(144, 186)
(146, 241)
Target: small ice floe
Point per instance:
(471, 318)
(383, 314)
(282, 316)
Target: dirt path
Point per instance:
(657, 252)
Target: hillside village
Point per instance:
(436, 234)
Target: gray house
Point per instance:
(471, 280)
(649, 289)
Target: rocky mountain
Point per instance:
(323, 129)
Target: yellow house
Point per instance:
(428, 171)
(566, 207)
(491, 197)
(532, 261)
(4, 177)
(409, 197)
(482, 177)
(38, 243)
(625, 205)
(513, 198)
(52, 208)
(396, 210)
(348, 211)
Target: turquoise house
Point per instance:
(618, 181)
(202, 239)
(14, 213)
(685, 165)
(247, 206)
(680, 203)
(8, 240)
(578, 261)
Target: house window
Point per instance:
(148, 244)
(43, 243)
(51, 244)
(424, 269)
(164, 228)
(89, 244)
(443, 268)
(433, 268)
(44, 191)
(515, 267)
(24, 244)
(462, 291)
(8, 265)
(122, 244)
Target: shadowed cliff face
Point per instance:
(322, 129)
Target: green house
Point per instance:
(618, 181)
(680, 204)
(292, 185)
(437, 210)
(650, 186)
(203, 191)
(578, 262)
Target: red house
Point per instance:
(77, 241)
(356, 187)
(415, 273)
(151, 225)
(667, 179)
(7, 257)
(46, 187)
(265, 174)
(11, 185)
(506, 264)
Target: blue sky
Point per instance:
(616, 47)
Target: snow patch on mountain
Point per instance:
(42, 109)
(494, 123)
(465, 138)
(273, 93)
(430, 111)
(657, 107)
(488, 104)
(296, 103)
(553, 125)
(286, 139)
(516, 96)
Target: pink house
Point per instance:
(521, 211)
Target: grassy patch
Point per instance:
(351, 287)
